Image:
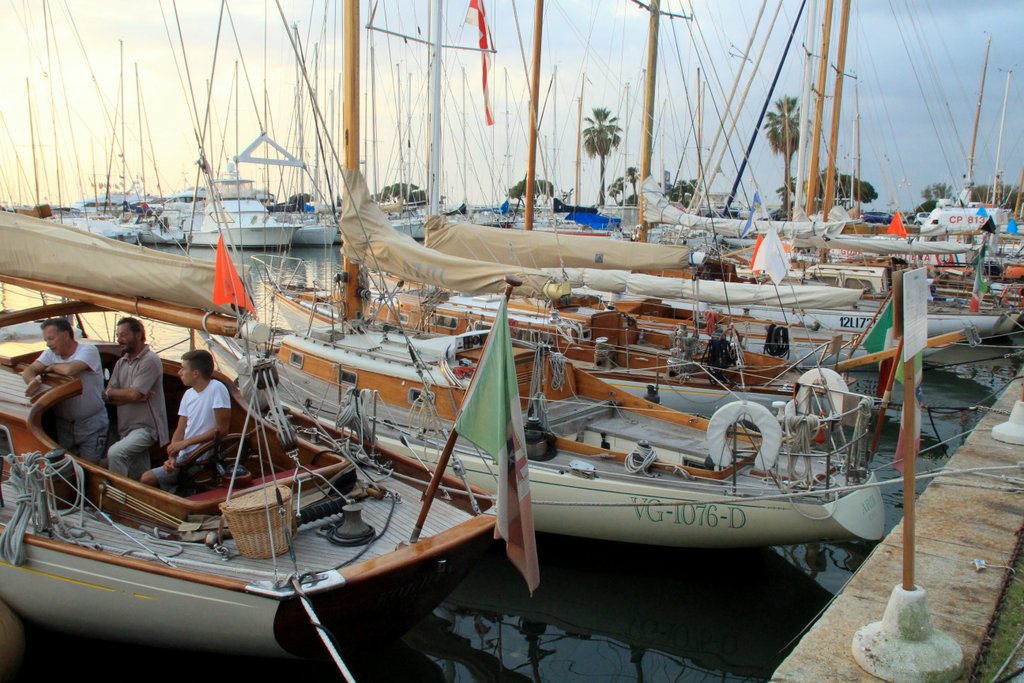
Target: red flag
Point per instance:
(227, 286)
(896, 226)
(475, 16)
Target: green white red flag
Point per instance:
(492, 418)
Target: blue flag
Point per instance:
(750, 217)
(982, 212)
(1011, 227)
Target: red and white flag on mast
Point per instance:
(475, 17)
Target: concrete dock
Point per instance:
(959, 519)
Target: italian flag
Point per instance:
(980, 283)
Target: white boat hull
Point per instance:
(99, 599)
(249, 237)
(640, 510)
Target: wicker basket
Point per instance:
(246, 517)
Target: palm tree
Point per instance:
(615, 189)
(783, 129)
(600, 137)
(633, 177)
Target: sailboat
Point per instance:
(606, 464)
(97, 554)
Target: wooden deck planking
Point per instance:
(311, 550)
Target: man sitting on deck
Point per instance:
(203, 416)
(136, 387)
(81, 420)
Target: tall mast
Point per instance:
(353, 302)
(999, 145)
(435, 114)
(647, 136)
(977, 115)
(579, 139)
(32, 138)
(531, 164)
(805, 96)
(833, 141)
(812, 175)
(142, 147)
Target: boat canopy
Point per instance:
(538, 249)
(370, 240)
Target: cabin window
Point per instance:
(446, 321)
(6, 443)
(295, 359)
(403, 318)
(347, 377)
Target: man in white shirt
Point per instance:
(81, 420)
(203, 416)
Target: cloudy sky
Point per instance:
(914, 69)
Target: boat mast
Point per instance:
(647, 136)
(833, 142)
(531, 164)
(435, 114)
(999, 145)
(32, 139)
(977, 116)
(353, 301)
(579, 141)
(805, 96)
(812, 176)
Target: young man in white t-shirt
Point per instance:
(203, 416)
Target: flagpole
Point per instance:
(511, 282)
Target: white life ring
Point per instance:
(737, 411)
(820, 377)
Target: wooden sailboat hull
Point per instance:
(89, 593)
(607, 503)
(122, 583)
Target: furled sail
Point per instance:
(658, 209)
(370, 240)
(41, 251)
(710, 291)
(537, 249)
(887, 245)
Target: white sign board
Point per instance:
(915, 312)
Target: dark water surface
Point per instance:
(603, 612)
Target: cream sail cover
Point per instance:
(710, 291)
(370, 241)
(535, 249)
(42, 250)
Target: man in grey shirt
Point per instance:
(136, 387)
(81, 420)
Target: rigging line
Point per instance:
(245, 70)
(921, 89)
(729, 117)
(418, 365)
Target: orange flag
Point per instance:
(757, 248)
(896, 226)
(227, 286)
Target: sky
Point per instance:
(128, 94)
